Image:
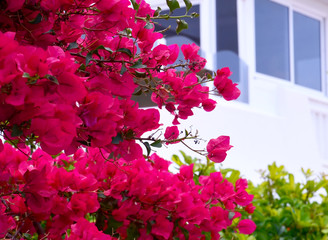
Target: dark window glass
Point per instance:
(272, 39)
(226, 28)
(307, 51)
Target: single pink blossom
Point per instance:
(246, 226)
(217, 148)
(225, 86)
(171, 133)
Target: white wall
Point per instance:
(259, 137)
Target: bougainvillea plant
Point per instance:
(72, 164)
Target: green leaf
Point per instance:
(52, 78)
(158, 10)
(112, 225)
(157, 144)
(36, 20)
(129, 134)
(116, 140)
(123, 69)
(135, 5)
(185, 232)
(72, 45)
(101, 195)
(173, 4)
(140, 74)
(177, 160)
(125, 50)
(182, 24)
(138, 64)
(207, 235)
(147, 147)
(88, 58)
(132, 232)
(26, 75)
(186, 158)
(149, 25)
(149, 225)
(324, 231)
(82, 67)
(188, 5)
(16, 131)
(104, 48)
(194, 15)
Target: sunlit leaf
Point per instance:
(157, 144)
(173, 4)
(182, 24)
(188, 5)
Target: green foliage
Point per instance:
(286, 209)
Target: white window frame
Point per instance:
(306, 9)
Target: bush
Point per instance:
(287, 209)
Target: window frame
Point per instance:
(314, 13)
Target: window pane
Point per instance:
(272, 39)
(226, 28)
(307, 51)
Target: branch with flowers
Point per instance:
(71, 161)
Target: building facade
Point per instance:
(277, 51)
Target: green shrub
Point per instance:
(286, 209)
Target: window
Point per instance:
(288, 44)
(226, 27)
(307, 58)
(272, 39)
(227, 46)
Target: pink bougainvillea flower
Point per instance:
(208, 105)
(246, 226)
(14, 6)
(160, 163)
(1, 146)
(165, 55)
(186, 172)
(190, 52)
(162, 227)
(171, 133)
(86, 230)
(217, 148)
(6, 221)
(225, 86)
(250, 208)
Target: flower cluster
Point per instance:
(68, 70)
(121, 196)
